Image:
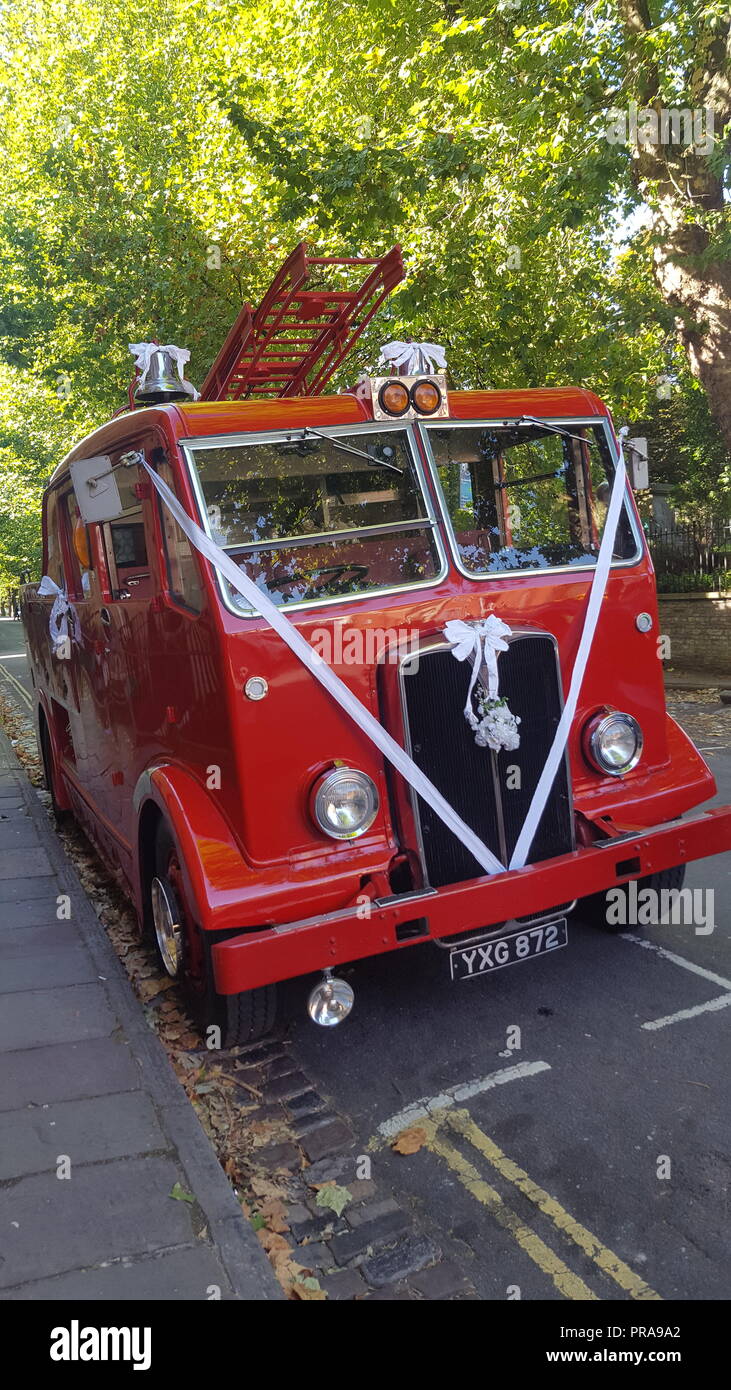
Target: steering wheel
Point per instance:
(339, 572)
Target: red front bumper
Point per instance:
(278, 953)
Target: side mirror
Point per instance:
(637, 460)
(95, 486)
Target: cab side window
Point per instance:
(125, 543)
(77, 545)
(53, 554)
(183, 575)
(126, 550)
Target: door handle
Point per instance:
(105, 616)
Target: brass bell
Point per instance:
(160, 382)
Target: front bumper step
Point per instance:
(265, 956)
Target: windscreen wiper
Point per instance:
(554, 429)
(346, 449)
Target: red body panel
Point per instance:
(153, 700)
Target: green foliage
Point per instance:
(143, 147)
(687, 452)
(695, 582)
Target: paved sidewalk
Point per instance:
(86, 1085)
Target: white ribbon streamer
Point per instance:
(327, 677)
(64, 620)
(416, 357)
(143, 354)
(363, 717)
(596, 595)
(482, 642)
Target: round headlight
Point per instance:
(613, 743)
(344, 803)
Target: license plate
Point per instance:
(466, 962)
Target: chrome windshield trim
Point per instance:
(428, 522)
(424, 427)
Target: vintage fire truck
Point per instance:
(261, 828)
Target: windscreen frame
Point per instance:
(430, 521)
(568, 422)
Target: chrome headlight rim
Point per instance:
(593, 733)
(324, 787)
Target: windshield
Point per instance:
(524, 497)
(308, 520)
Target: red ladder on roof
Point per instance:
(294, 342)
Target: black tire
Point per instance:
(593, 911)
(61, 816)
(241, 1018)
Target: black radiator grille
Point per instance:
(476, 782)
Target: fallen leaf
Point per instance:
(149, 988)
(180, 1194)
(274, 1214)
(272, 1241)
(333, 1197)
(264, 1187)
(409, 1141)
(308, 1289)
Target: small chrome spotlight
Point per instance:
(330, 1001)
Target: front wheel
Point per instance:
(185, 955)
(613, 915)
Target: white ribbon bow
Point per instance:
(63, 614)
(143, 353)
(416, 357)
(481, 641)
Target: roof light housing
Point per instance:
(421, 397)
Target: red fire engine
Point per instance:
(250, 811)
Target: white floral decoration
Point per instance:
(497, 726)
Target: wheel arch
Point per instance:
(214, 868)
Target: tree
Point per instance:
(686, 67)
(154, 174)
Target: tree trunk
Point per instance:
(699, 289)
(686, 199)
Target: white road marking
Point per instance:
(421, 1109)
(722, 1001)
(678, 960)
(17, 686)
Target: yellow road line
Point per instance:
(605, 1259)
(18, 687)
(568, 1283)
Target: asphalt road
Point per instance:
(592, 1160)
(576, 1151)
(14, 671)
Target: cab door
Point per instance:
(88, 749)
(129, 585)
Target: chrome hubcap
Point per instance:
(167, 926)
